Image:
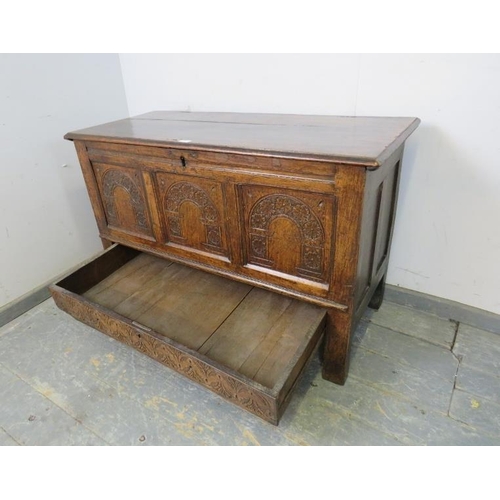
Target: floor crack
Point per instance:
(420, 339)
(459, 359)
(11, 436)
(457, 324)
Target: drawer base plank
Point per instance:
(282, 343)
(123, 283)
(189, 306)
(261, 335)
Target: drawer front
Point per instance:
(192, 212)
(288, 234)
(123, 199)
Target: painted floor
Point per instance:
(415, 379)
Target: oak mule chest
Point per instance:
(235, 242)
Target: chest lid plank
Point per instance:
(361, 141)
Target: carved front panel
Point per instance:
(193, 212)
(123, 198)
(288, 231)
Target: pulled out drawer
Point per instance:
(245, 344)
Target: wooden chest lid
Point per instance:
(361, 141)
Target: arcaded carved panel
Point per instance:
(114, 179)
(311, 214)
(207, 233)
(280, 205)
(183, 191)
(189, 364)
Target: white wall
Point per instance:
(46, 222)
(447, 235)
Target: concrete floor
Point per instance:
(415, 379)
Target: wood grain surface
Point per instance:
(301, 205)
(227, 335)
(366, 141)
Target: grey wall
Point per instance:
(46, 222)
(447, 234)
(446, 241)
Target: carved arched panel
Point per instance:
(193, 212)
(310, 215)
(123, 198)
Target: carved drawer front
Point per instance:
(192, 209)
(288, 232)
(124, 199)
